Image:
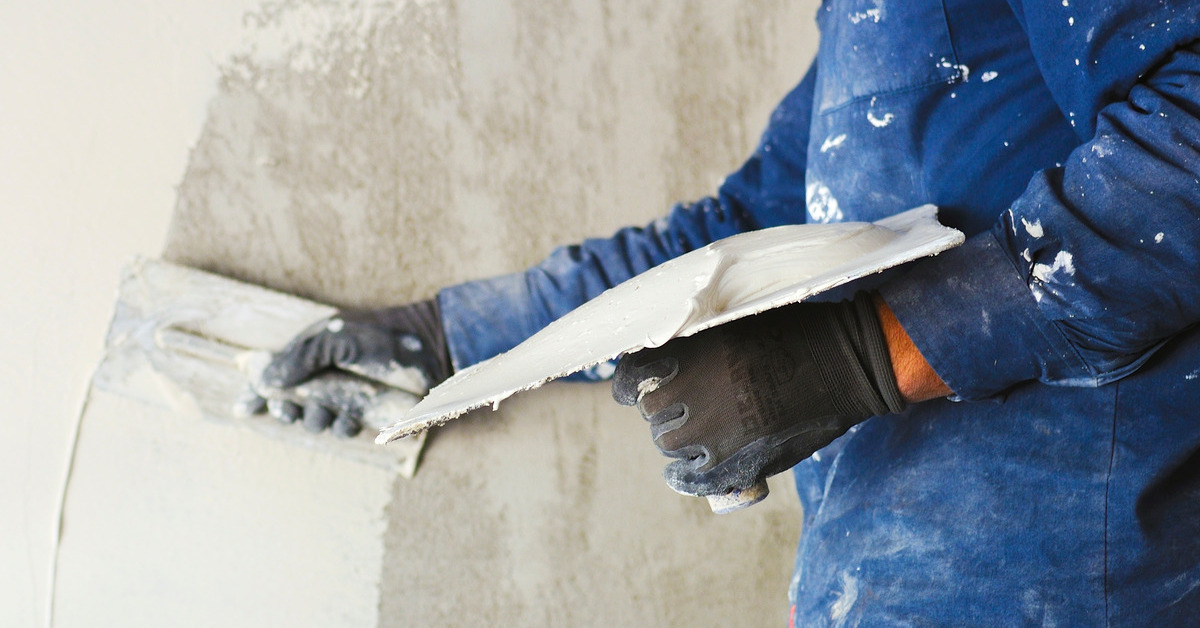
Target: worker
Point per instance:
(1005, 434)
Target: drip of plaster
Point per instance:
(724, 281)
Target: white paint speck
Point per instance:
(846, 599)
(1101, 150)
(822, 206)
(832, 142)
(880, 122)
(1158, 237)
(964, 72)
(870, 14)
(988, 76)
(1062, 261)
(1194, 375)
(1033, 228)
(1070, 21)
(1141, 46)
(335, 325)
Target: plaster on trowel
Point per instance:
(202, 340)
(724, 281)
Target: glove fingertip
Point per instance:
(283, 372)
(678, 474)
(625, 382)
(284, 411)
(248, 404)
(316, 417)
(345, 426)
(300, 360)
(272, 374)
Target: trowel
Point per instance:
(729, 279)
(198, 342)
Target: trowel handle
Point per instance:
(738, 499)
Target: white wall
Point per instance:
(99, 103)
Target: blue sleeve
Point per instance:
(487, 317)
(1097, 263)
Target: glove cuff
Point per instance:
(876, 359)
(847, 344)
(422, 319)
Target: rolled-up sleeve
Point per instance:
(1097, 263)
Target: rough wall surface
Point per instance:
(367, 153)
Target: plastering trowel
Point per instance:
(724, 281)
(202, 341)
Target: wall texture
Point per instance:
(366, 154)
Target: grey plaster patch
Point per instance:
(369, 153)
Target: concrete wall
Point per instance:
(365, 155)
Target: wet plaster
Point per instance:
(178, 522)
(367, 154)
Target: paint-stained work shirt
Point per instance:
(1063, 137)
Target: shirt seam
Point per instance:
(949, 80)
(1107, 484)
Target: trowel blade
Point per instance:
(724, 281)
(182, 337)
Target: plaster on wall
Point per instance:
(412, 147)
(100, 102)
(465, 139)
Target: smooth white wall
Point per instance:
(99, 104)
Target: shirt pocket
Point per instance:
(870, 48)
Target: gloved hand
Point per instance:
(404, 347)
(746, 400)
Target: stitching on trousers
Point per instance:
(1107, 482)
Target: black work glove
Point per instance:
(746, 400)
(404, 347)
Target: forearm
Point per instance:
(1091, 269)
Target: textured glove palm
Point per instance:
(402, 346)
(746, 400)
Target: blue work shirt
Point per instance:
(1061, 486)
